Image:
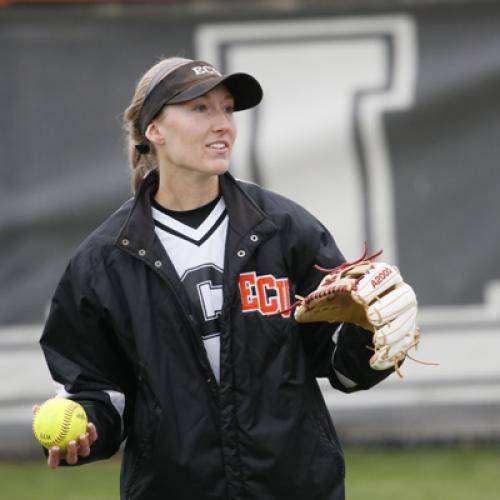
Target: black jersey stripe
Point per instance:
(193, 218)
(199, 242)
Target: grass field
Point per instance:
(460, 473)
(453, 473)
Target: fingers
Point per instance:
(54, 457)
(92, 432)
(87, 440)
(74, 450)
(35, 408)
(72, 453)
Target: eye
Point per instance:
(229, 109)
(200, 107)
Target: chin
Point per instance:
(218, 168)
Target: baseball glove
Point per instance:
(373, 296)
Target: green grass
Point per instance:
(446, 473)
(35, 481)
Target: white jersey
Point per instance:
(198, 257)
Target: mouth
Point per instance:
(219, 147)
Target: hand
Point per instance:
(75, 449)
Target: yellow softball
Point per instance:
(58, 421)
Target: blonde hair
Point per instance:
(140, 164)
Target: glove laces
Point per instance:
(364, 257)
(333, 271)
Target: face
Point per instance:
(197, 136)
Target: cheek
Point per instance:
(183, 141)
(183, 151)
(233, 127)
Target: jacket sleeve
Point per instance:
(344, 356)
(84, 357)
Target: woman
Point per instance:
(171, 324)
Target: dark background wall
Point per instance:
(68, 74)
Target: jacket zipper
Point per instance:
(189, 321)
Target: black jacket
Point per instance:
(120, 321)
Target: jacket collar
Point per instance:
(138, 231)
(244, 213)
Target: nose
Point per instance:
(222, 122)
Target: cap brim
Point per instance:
(244, 88)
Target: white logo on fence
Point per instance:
(323, 123)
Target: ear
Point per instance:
(153, 134)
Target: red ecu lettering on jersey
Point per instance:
(265, 294)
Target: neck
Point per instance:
(186, 192)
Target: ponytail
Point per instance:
(140, 163)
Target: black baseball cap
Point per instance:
(181, 80)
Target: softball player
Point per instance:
(172, 323)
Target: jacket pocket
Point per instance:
(135, 476)
(320, 416)
(139, 447)
(329, 442)
(323, 430)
